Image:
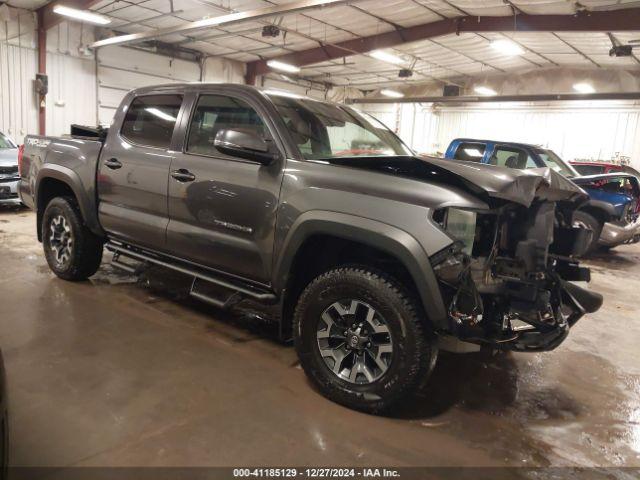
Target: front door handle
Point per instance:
(113, 164)
(183, 175)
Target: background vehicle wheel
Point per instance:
(586, 220)
(363, 339)
(72, 251)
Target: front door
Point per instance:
(222, 208)
(134, 171)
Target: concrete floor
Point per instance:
(120, 372)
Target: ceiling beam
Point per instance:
(51, 19)
(550, 97)
(601, 21)
(229, 19)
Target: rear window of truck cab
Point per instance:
(150, 120)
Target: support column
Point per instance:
(42, 68)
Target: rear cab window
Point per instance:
(512, 157)
(150, 120)
(590, 169)
(470, 152)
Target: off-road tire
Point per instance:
(86, 251)
(584, 218)
(414, 343)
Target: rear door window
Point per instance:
(512, 158)
(150, 120)
(470, 152)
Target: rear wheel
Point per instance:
(586, 220)
(363, 339)
(72, 251)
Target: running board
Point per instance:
(118, 263)
(237, 290)
(230, 297)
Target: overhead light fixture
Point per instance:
(391, 93)
(81, 15)
(507, 47)
(584, 88)
(160, 114)
(486, 91)
(285, 67)
(386, 57)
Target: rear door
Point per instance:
(134, 170)
(223, 208)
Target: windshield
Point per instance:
(5, 142)
(324, 131)
(554, 162)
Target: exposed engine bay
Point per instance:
(507, 276)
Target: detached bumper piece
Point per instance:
(613, 234)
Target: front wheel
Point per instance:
(363, 339)
(72, 251)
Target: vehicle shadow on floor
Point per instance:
(12, 207)
(475, 381)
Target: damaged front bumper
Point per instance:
(508, 285)
(614, 234)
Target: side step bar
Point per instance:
(238, 291)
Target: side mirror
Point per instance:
(245, 145)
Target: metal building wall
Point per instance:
(120, 69)
(574, 130)
(18, 64)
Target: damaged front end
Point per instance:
(506, 277)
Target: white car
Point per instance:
(9, 175)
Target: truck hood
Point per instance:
(497, 183)
(8, 157)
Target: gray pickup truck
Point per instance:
(376, 258)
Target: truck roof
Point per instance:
(197, 86)
(482, 140)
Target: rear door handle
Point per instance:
(183, 175)
(113, 164)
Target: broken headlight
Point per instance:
(459, 224)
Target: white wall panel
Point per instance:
(121, 69)
(72, 93)
(585, 130)
(574, 130)
(18, 104)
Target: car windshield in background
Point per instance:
(554, 162)
(325, 131)
(5, 142)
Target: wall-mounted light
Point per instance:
(507, 47)
(81, 15)
(584, 88)
(391, 93)
(285, 67)
(483, 90)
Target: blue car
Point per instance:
(613, 207)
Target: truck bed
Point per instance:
(71, 159)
